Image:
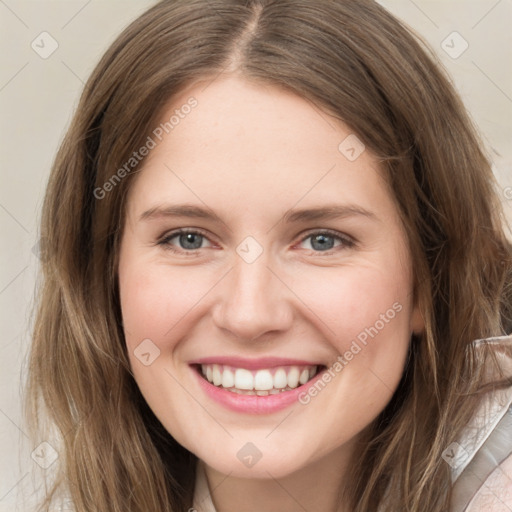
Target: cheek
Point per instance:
(157, 303)
(155, 300)
(364, 314)
(358, 303)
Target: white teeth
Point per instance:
(261, 382)
(216, 375)
(228, 379)
(293, 377)
(243, 379)
(280, 380)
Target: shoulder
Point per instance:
(481, 459)
(495, 494)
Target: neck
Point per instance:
(314, 487)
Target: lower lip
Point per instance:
(254, 404)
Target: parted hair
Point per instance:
(357, 62)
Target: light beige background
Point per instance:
(37, 98)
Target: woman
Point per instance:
(273, 243)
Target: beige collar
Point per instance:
(202, 497)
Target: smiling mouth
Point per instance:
(263, 382)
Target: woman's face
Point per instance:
(292, 292)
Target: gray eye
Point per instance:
(322, 242)
(190, 240)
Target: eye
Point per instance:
(190, 240)
(184, 240)
(327, 241)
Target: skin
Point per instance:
(250, 153)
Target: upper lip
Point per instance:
(254, 364)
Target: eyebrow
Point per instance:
(290, 217)
(326, 213)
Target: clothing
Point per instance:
(480, 459)
(202, 498)
(482, 456)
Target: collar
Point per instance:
(487, 440)
(202, 497)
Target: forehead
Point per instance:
(253, 146)
(264, 120)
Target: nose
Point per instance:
(253, 301)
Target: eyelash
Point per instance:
(347, 242)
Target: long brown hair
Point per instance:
(357, 62)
